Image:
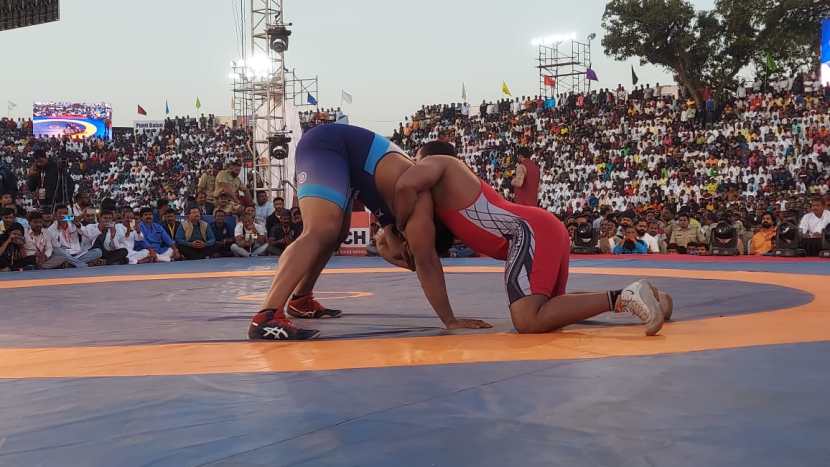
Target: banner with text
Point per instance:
(148, 125)
(359, 235)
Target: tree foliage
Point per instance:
(708, 48)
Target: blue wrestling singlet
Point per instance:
(335, 160)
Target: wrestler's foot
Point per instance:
(306, 307)
(639, 300)
(666, 302)
(266, 325)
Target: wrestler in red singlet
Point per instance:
(533, 242)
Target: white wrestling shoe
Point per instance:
(666, 302)
(639, 299)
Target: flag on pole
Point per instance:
(591, 75)
(550, 81)
(198, 103)
(634, 78)
(166, 108)
(141, 111)
(345, 97)
(505, 89)
(311, 100)
(772, 67)
(463, 92)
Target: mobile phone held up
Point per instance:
(68, 218)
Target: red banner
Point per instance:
(550, 81)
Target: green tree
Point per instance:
(709, 48)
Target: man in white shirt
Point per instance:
(264, 208)
(812, 226)
(72, 240)
(642, 234)
(38, 244)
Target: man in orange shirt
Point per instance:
(762, 241)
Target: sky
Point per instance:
(392, 56)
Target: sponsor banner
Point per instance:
(148, 125)
(359, 235)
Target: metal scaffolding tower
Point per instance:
(567, 62)
(262, 86)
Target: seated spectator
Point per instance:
(654, 231)
(112, 252)
(38, 245)
(631, 244)
(225, 203)
(607, 237)
(127, 238)
(162, 206)
(72, 240)
(274, 218)
(281, 235)
(296, 221)
(157, 246)
(171, 226)
(764, 239)
(642, 234)
(195, 237)
(223, 235)
(12, 247)
(251, 239)
(264, 208)
(7, 201)
(684, 233)
(205, 207)
(812, 226)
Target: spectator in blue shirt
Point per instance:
(630, 243)
(159, 246)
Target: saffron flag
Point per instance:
(311, 100)
(198, 103)
(634, 78)
(505, 89)
(591, 75)
(550, 81)
(141, 110)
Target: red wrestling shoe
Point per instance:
(306, 307)
(270, 325)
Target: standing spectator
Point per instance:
(264, 208)
(812, 226)
(222, 234)
(48, 182)
(158, 246)
(763, 240)
(631, 244)
(38, 245)
(227, 181)
(8, 180)
(207, 183)
(251, 239)
(526, 181)
(195, 237)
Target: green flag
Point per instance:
(772, 67)
(198, 103)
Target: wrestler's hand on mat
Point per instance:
(468, 324)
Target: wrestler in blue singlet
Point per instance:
(334, 161)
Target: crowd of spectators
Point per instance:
(655, 160)
(92, 202)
